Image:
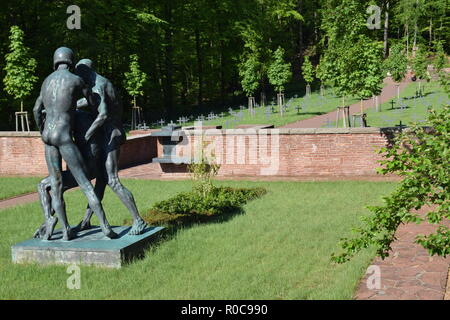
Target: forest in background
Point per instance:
(192, 50)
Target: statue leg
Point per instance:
(53, 159)
(112, 171)
(46, 229)
(72, 156)
(46, 205)
(99, 189)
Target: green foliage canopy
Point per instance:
(352, 60)
(365, 63)
(279, 71)
(354, 67)
(193, 49)
(420, 63)
(440, 59)
(396, 63)
(308, 70)
(135, 78)
(20, 66)
(249, 71)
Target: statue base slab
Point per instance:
(90, 247)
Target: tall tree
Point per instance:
(308, 72)
(386, 29)
(440, 58)
(342, 31)
(279, 71)
(396, 64)
(420, 66)
(134, 79)
(20, 67)
(249, 71)
(365, 75)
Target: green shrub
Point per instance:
(219, 200)
(421, 157)
(204, 200)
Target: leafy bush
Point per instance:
(204, 199)
(219, 200)
(421, 156)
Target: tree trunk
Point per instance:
(199, 67)
(430, 32)
(21, 105)
(299, 44)
(386, 31)
(415, 39)
(222, 74)
(316, 33)
(407, 40)
(168, 96)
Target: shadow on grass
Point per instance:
(318, 113)
(399, 108)
(423, 96)
(176, 222)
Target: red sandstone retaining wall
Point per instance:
(244, 152)
(291, 152)
(23, 153)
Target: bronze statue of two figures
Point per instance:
(79, 115)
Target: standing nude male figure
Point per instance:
(59, 94)
(110, 135)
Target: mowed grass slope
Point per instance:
(13, 186)
(278, 249)
(312, 106)
(416, 109)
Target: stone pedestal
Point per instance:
(90, 247)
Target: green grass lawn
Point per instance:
(311, 107)
(416, 109)
(279, 248)
(12, 186)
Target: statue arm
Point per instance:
(102, 116)
(39, 113)
(82, 103)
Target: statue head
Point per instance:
(87, 62)
(84, 69)
(63, 55)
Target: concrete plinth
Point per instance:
(90, 247)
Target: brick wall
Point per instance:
(290, 152)
(23, 153)
(138, 149)
(242, 152)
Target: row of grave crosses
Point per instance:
(269, 110)
(238, 115)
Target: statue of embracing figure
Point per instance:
(79, 117)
